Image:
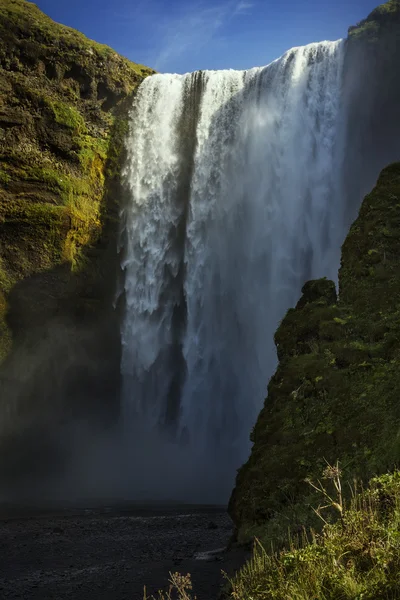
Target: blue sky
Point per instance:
(186, 35)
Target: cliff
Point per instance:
(64, 103)
(383, 19)
(335, 392)
(371, 96)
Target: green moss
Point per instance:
(81, 196)
(37, 242)
(91, 150)
(119, 132)
(5, 333)
(388, 9)
(6, 281)
(368, 29)
(48, 177)
(67, 99)
(68, 116)
(4, 177)
(31, 213)
(65, 44)
(36, 248)
(20, 13)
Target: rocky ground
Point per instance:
(109, 554)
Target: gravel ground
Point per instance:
(108, 554)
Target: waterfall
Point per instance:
(234, 202)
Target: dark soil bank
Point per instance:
(99, 555)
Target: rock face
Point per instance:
(372, 98)
(64, 104)
(335, 392)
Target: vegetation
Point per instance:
(381, 18)
(26, 16)
(180, 587)
(64, 103)
(335, 392)
(68, 116)
(356, 556)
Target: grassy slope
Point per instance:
(31, 23)
(355, 557)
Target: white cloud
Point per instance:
(243, 8)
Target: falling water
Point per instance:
(235, 201)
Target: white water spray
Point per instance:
(235, 202)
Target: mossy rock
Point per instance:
(64, 109)
(385, 16)
(335, 392)
(63, 116)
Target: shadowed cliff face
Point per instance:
(64, 102)
(335, 392)
(371, 90)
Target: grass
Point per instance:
(5, 335)
(388, 8)
(4, 177)
(28, 16)
(355, 557)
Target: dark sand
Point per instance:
(112, 554)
